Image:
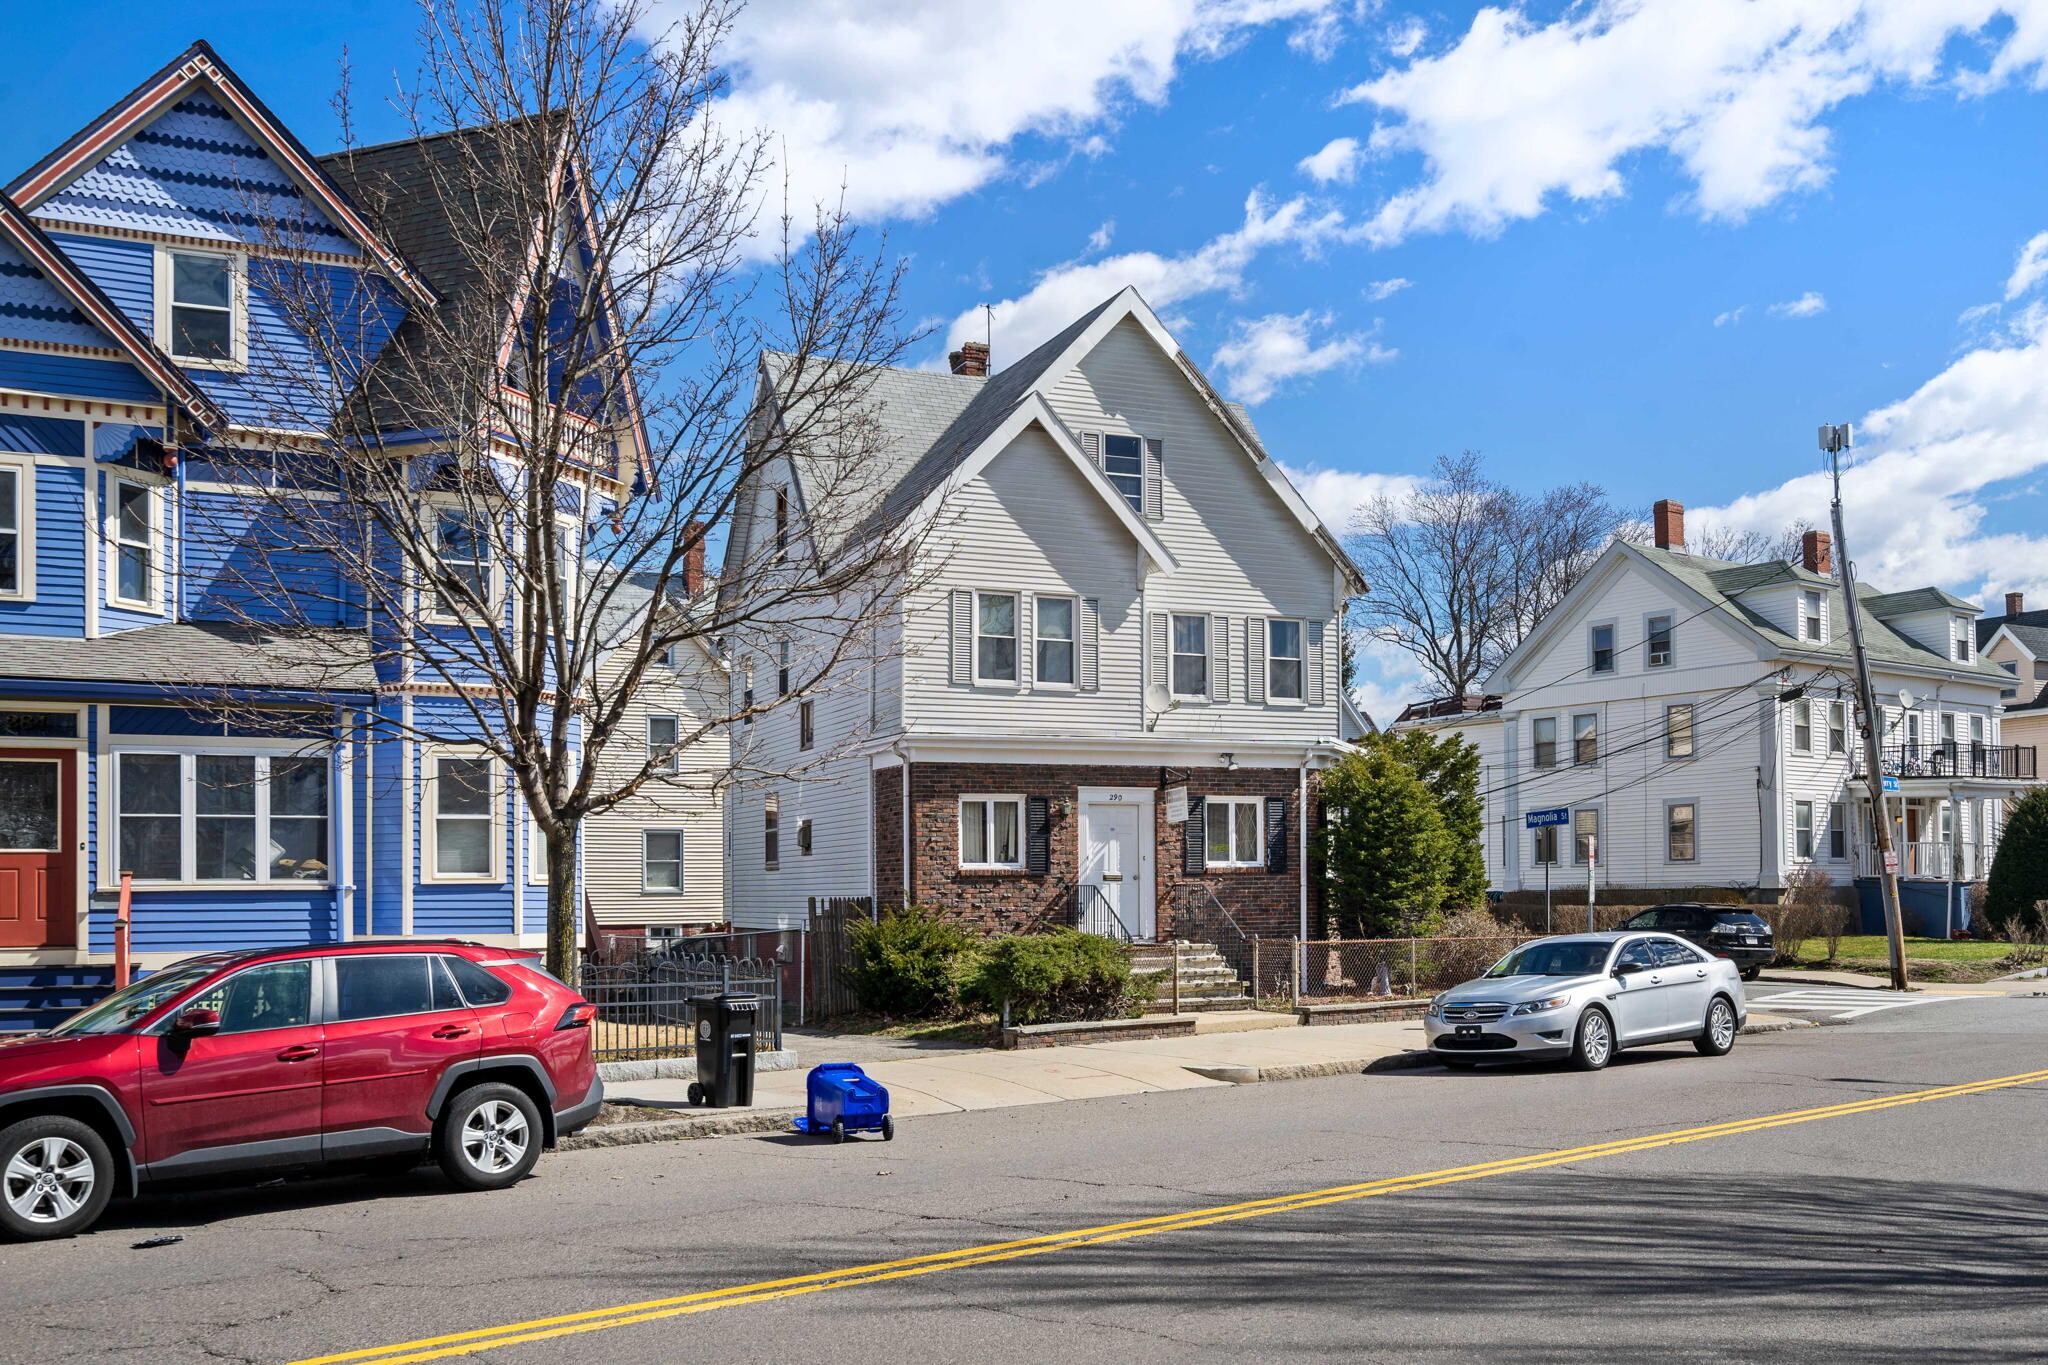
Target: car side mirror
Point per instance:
(196, 1023)
(1627, 968)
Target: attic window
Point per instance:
(781, 522)
(1123, 460)
(1963, 640)
(201, 305)
(1812, 625)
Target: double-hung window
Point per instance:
(992, 832)
(806, 724)
(1657, 645)
(1802, 726)
(1838, 727)
(135, 543)
(240, 817)
(995, 637)
(771, 834)
(1586, 738)
(1965, 637)
(1053, 619)
(781, 523)
(1236, 831)
(463, 809)
(1812, 622)
(1681, 831)
(1838, 829)
(1802, 829)
(1543, 737)
(1190, 650)
(1678, 730)
(1123, 460)
(1284, 661)
(1585, 835)
(661, 860)
(664, 737)
(202, 299)
(17, 528)
(782, 669)
(463, 543)
(1602, 646)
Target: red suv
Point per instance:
(368, 1052)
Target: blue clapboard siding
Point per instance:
(124, 270)
(384, 762)
(241, 565)
(25, 435)
(206, 921)
(114, 380)
(59, 605)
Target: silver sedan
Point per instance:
(1587, 996)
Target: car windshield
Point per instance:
(115, 1013)
(1584, 958)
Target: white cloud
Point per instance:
(1337, 494)
(1928, 467)
(1519, 112)
(1731, 317)
(1066, 291)
(1336, 163)
(1807, 305)
(2030, 269)
(1385, 679)
(1379, 291)
(1098, 240)
(912, 104)
(1263, 354)
(1404, 38)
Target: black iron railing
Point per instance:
(644, 1009)
(1957, 758)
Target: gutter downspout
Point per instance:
(1301, 819)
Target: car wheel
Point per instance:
(1752, 973)
(489, 1137)
(1593, 1043)
(1718, 1036)
(56, 1176)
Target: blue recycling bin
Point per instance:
(844, 1100)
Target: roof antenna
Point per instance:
(988, 326)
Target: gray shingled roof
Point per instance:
(2030, 628)
(1720, 581)
(1916, 599)
(197, 654)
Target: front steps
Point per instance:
(34, 998)
(1207, 982)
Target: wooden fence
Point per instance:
(829, 946)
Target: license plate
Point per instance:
(1752, 941)
(1469, 1030)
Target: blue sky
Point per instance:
(1553, 205)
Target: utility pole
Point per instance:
(1834, 443)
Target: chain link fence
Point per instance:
(1287, 972)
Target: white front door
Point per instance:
(1115, 899)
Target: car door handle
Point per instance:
(1701, 974)
(451, 1030)
(300, 1053)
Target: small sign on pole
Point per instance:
(1891, 860)
(1538, 819)
(1177, 805)
(1891, 784)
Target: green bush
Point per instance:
(2019, 874)
(1055, 978)
(908, 964)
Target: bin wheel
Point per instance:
(888, 1130)
(839, 1130)
(696, 1093)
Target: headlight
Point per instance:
(1436, 1007)
(1538, 1006)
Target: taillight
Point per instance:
(579, 1015)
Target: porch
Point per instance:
(1947, 760)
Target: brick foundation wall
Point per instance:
(1265, 903)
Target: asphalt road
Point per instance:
(1892, 1229)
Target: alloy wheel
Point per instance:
(48, 1180)
(495, 1136)
(1721, 1023)
(1598, 1040)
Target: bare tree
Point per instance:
(1718, 540)
(584, 390)
(1464, 567)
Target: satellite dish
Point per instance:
(1905, 700)
(1157, 697)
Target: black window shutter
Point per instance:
(1193, 840)
(1276, 834)
(1037, 836)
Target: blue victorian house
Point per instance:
(259, 784)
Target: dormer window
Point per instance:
(1812, 623)
(200, 307)
(1964, 639)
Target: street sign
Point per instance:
(1891, 860)
(1538, 819)
(1891, 784)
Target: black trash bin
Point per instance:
(725, 1050)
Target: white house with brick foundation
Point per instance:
(1105, 699)
(1697, 718)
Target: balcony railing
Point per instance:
(2011, 762)
(1968, 862)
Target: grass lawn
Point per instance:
(1940, 949)
(978, 1029)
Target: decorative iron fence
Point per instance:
(644, 1004)
(1956, 758)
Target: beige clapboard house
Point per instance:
(1108, 695)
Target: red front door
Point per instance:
(38, 848)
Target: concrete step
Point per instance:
(1187, 961)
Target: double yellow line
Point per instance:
(653, 1310)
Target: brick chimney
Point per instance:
(693, 559)
(1817, 552)
(971, 359)
(1667, 519)
(2015, 603)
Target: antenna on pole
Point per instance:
(988, 326)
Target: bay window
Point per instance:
(234, 817)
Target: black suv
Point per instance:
(1735, 932)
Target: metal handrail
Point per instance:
(1085, 892)
(1957, 758)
